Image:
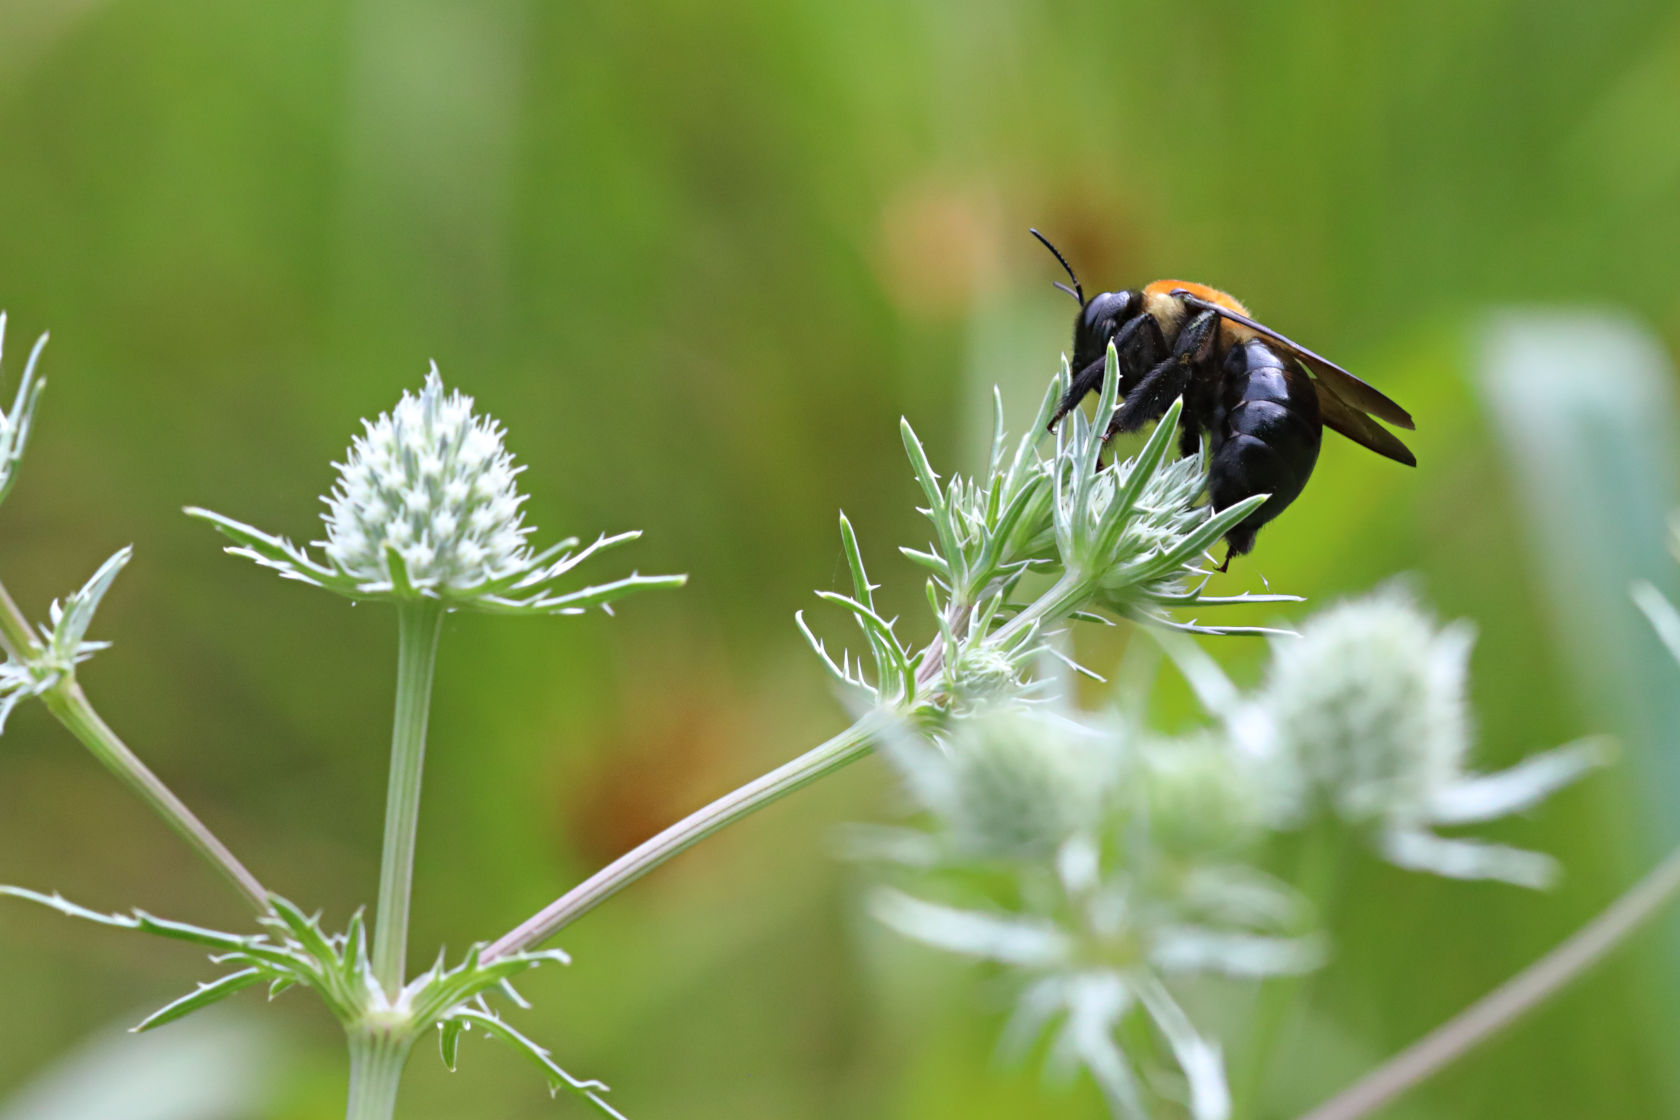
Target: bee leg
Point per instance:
(1189, 437)
(1083, 382)
(1141, 348)
(1153, 395)
(1170, 379)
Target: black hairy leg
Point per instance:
(1169, 379)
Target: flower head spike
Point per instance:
(1369, 708)
(15, 425)
(426, 507)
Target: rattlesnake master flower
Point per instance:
(426, 506)
(1100, 867)
(433, 484)
(15, 425)
(1369, 709)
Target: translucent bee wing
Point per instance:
(1331, 376)
(1340, 416)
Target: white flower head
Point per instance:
(1370, 707)
(429, 483)
(426, 506)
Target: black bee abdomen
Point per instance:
(1266, 436)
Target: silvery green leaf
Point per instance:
(1420, 850)
(1210, 1099)
(71, 621)
(1202, 949)
(1006, 938)
(1486, 797)
(558, 1078)
(449, 1041)
(138, 920)
(203, 996)
(16, 425)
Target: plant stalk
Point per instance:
(71, 707)
(846, 747)
(376, 1066)
(1510, 1001)
(419, 624)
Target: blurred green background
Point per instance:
(700, 257)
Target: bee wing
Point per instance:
(1330, 378)
(1341, 416)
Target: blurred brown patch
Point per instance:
(669, 754)
(939, 246)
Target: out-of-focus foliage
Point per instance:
(701, 258)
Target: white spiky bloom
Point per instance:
(426, 506)
(1123, 876)
(1368, 708)
(431, 482)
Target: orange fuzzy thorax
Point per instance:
(1169, 312)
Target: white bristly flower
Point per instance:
(426, 505)
(1369, 707)
(1101, 868)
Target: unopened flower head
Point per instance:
(430, 483)
(1012, 782)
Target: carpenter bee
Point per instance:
(1262, 400)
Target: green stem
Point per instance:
(376, 1066)
(16, 638)
(1511, 1000)
(70, 705)
(418, 626)
(846, 747)
(1063, 597)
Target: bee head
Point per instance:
(1099, 320)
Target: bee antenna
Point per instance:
(1077, 292)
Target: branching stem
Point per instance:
(70, 705)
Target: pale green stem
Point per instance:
(418, 626)
(1063, 597)
(846, 747)
(70, 705)
(1511, 1000)
(376, 1066)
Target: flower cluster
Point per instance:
(1119, 883)
(426, 507)
(1367, 716)
(1104, 865)
(1128, 539)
